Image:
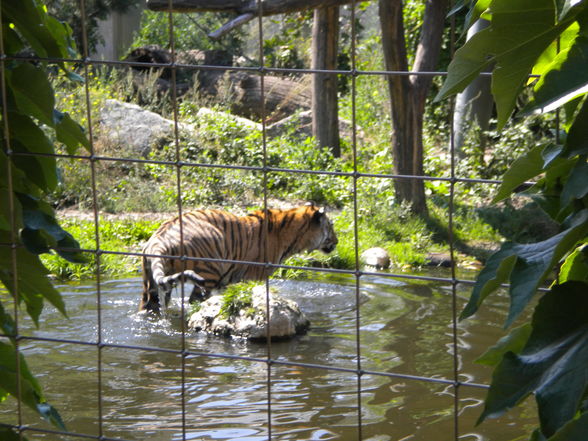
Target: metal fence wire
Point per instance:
(452, 386)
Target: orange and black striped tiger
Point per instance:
(216, 234)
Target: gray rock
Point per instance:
(285, 318)
(377, 257)
(133, 127)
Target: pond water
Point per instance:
(220, 390)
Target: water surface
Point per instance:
(220, 388)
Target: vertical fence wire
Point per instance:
(13, 244)
(96, 216)
(179, 164)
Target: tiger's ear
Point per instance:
(320, 212)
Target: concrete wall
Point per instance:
(118, 31)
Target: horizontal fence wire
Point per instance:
(85, 64)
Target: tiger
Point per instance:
(213, 235)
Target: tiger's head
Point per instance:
(322, 234)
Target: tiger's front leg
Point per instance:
(199, 294)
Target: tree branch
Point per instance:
(268, 7)
(229, 26)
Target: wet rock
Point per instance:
(376, 257)
(285, 318)
(439, 259)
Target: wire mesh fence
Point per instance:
(353, 378)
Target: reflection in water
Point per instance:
(220, 389)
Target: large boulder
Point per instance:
(285, 318)
(133, 127)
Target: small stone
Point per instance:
(376, 257)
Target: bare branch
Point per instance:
(228, 27)
(268, 7)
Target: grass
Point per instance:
(113, 235)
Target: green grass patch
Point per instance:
(113, 235)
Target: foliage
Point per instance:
(190, 32)
(550, 358)
(115, 235)
(237, 297)
(220, 140)
(27, 223)
(69, 12)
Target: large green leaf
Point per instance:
(519, 33)
(577, 139)
(28, 138)
(20, 383)
(513, 342)
(575, 430)
(564, 77)
(522, 169)
(46, 36)
(32, 91)
(70, 132)
(42, 231)
(552, 365)
(33, 283)
(575, 267)
(576, 187)
(526, 265)
(545, 61)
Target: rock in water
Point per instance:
(285, 320)
(377, 257)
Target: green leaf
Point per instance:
(37, 28)
(575, 430)
(520, 31)
(497, 270)
(576, 187)
(27, 137)
(513, 342)
(476, 12)
(8, 434)
(70, 133)
(34, 241)
(33, 283)
(565, 76)
(522, 169)
(42, 231)
(7, 324)
(552, 364)
(32, 91)
(577, 139)
(550, 187)
(575, 267)
(29, 392)
(527, 266)
(545, 61)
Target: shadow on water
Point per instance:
(220, 390)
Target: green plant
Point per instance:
(237, 297)
(190, 31)
(547, 355)
(115, 235)
(27, 222)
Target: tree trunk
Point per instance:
(325, 119)
(408, 94)
(474, 104)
